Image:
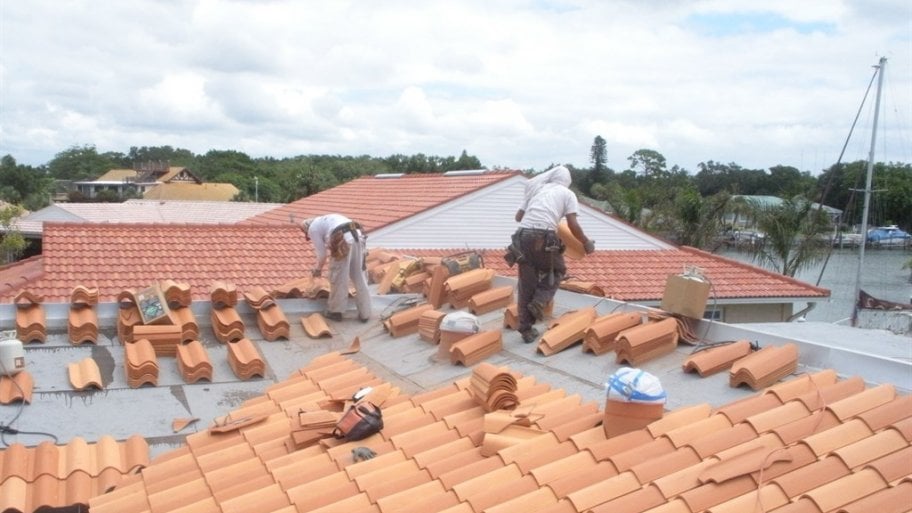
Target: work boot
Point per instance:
(529, 336)
(537, 310)
(333, 316)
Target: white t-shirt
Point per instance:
(548, 206)
(321, 228)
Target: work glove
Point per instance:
(362, 454)
(316, 273)
(589, 246)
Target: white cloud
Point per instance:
(517, 83)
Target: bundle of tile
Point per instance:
(647, 341)
(223, 295)
(460, 288)
(712, 359)
(477, 347)
(17, 387)
(177, 295)
(494, 388)
(82, 324)
(226, 323)
(164, 338)
(312, 288)
(193, 362)
(184, 317)
(567, 330)
(491, 299)
(435, 285)
(429, 325)
(601, 336)
(245, 360)
(128, 315)
(269, 316)
(416, 283)
(31, 323)
(84, 374)
(405, 322)
(141, 365)
(761, 369)
(84, 296)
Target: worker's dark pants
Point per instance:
(540, 272)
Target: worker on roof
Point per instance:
(537, 248)
(343, 242)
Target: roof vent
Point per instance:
(389, 175)
(467, 172)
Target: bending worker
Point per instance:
(540, 256)
(343, 241)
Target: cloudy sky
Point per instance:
(517, 83)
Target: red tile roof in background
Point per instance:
(640, 275)
(376, 202)
(114, 257)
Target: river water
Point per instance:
(882, 277)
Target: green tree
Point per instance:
(23, 185)
(792, 238)
(466, 161)
(175, 156)
(701, 219)
(13, 243)
(647, 163)
(598, 156)
(80, 163)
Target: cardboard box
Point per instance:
(152, 306)
(622, 417)
(685, 295)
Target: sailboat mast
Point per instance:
(867, 190)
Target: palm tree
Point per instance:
(794, 235)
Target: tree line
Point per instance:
(686, 207)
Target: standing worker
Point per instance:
(343, 241)
(537, 248)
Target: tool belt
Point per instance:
(542, 240)
(338, 247)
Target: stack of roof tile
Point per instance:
(491, 299)
(193, 362)
(435, 286)
(313, 426)
(475, 348)
(460, 288)
(164, 338)
(184, 317)
(177, 295)
(566, 330)
(31, 323)
(141, 365)
(270, 319)
(245, 360)
(128, 315)
(226, 323)
(712, 359)
(307, 287)
(17, 387)
(48, 476)
(494, 388)
(822, 444)
(84, 374)
(601, 336)
(763, 368)
(405, 322)
(511, 317)
(647, 341)
(429, 325)
(315, 326)
(82, 324)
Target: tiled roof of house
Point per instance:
(115, 257)
(642, 275)
(377, 201)
(117, 175)
(192, 191)
(811, 444)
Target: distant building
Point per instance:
(156, 180)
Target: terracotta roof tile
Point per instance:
(764, 367)
(84, 374)
(889, 500)
(716, 359)
(16, 388)
(377, 201)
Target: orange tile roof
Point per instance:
(376, 201)
(440, 451)
(114, 257)
(640, 275)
